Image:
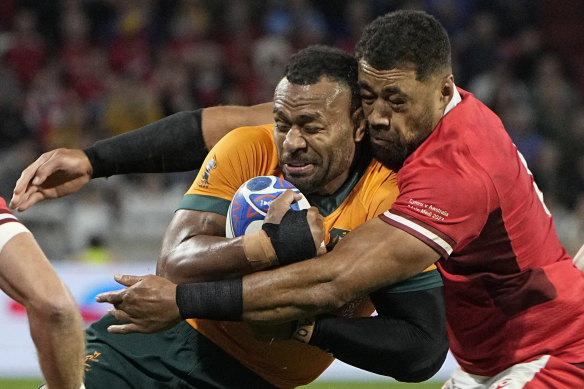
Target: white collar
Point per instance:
(454, 101)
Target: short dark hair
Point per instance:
(310, 65)
(403, 38)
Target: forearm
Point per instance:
(179, 142)
(408, 342)
(59, 339)
(172, 144)
(194, 248)
(370, 257)
(204, 258)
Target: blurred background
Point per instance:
(74, 71)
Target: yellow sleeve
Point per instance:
(242, 154)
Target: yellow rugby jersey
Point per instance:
(371, 188)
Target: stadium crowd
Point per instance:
(75, 71)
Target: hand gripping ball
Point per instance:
(251, 201)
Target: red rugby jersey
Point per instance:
(512, 292)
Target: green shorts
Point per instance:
(179, 358)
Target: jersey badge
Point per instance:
(208, 168)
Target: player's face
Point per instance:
(315, 134)
(401, 111)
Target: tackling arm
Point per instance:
(372, 256)
(406, 341)
(176, 143)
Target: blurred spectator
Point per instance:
(270, 56)
(480, 47)
(555, 97)
(129, 52)
(52, 110)
(26, 48)
(13, 129)
(128, 104)
(519, 120)
(96, 252)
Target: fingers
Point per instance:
(28, 189)
(24, 186)
(114, 297)
(117, 296)
(124, 328)
(120, 315)
(127, 280)
(55, 173)
(280, 206)
(29, 173)
(286, 198)
(27, 199)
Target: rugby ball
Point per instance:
(251, 202)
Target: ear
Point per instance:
(360, 123)
(447, 89)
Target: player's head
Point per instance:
(406, 81)
(318, 118)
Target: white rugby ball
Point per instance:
(251, 202)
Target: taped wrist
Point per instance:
(259, 251)
(291, 239)
(172, 144)
(217, 300)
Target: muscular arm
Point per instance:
(406, 341)
(55, 323)
(178, 142)
(194, 248)
(372, 256)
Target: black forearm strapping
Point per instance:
(217, 300)
(292, 239)
(407, 341)
(172, 144)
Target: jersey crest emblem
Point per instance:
(208, 168)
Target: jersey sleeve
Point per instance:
(10, 226)
(242, 154)
(444, 204)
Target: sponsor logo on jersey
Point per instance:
(208, 168)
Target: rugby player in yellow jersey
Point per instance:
(315, 144)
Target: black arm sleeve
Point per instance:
(406, 341)
(172, 144)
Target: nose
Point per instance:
(379, 115)
(294, 140)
